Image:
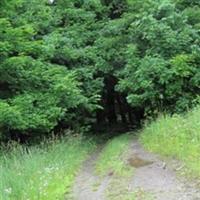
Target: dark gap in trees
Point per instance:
(116, 110)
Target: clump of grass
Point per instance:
(42, 172)
(176, 136)
(111, 159)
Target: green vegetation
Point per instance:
(72, 64)
(42, 172)
(112, 160)
(81, 64)
(176, 136)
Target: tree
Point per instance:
(76, 63)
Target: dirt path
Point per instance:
(89, 186)
(158, 179)
(151, 175)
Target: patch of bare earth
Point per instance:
(160, 179)
(152, 179)
(89, 186)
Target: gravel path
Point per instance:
(152, 176)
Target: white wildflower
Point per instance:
(8, 190)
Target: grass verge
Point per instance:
(42, 172)
(111, 159)
(176, 136)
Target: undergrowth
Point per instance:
(41, 172)
(176, 136)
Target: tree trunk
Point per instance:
(110, 82)
(121, 108)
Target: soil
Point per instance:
(151, 176)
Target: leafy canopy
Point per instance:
(72, 63)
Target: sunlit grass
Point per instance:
(111, 159)
(42, 172)
(177, 136)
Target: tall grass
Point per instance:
(177, 136)
(43, 172)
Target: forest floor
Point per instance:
(151, 179)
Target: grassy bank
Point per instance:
(42, 172)
(177, 136)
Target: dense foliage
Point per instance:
(69, 64)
